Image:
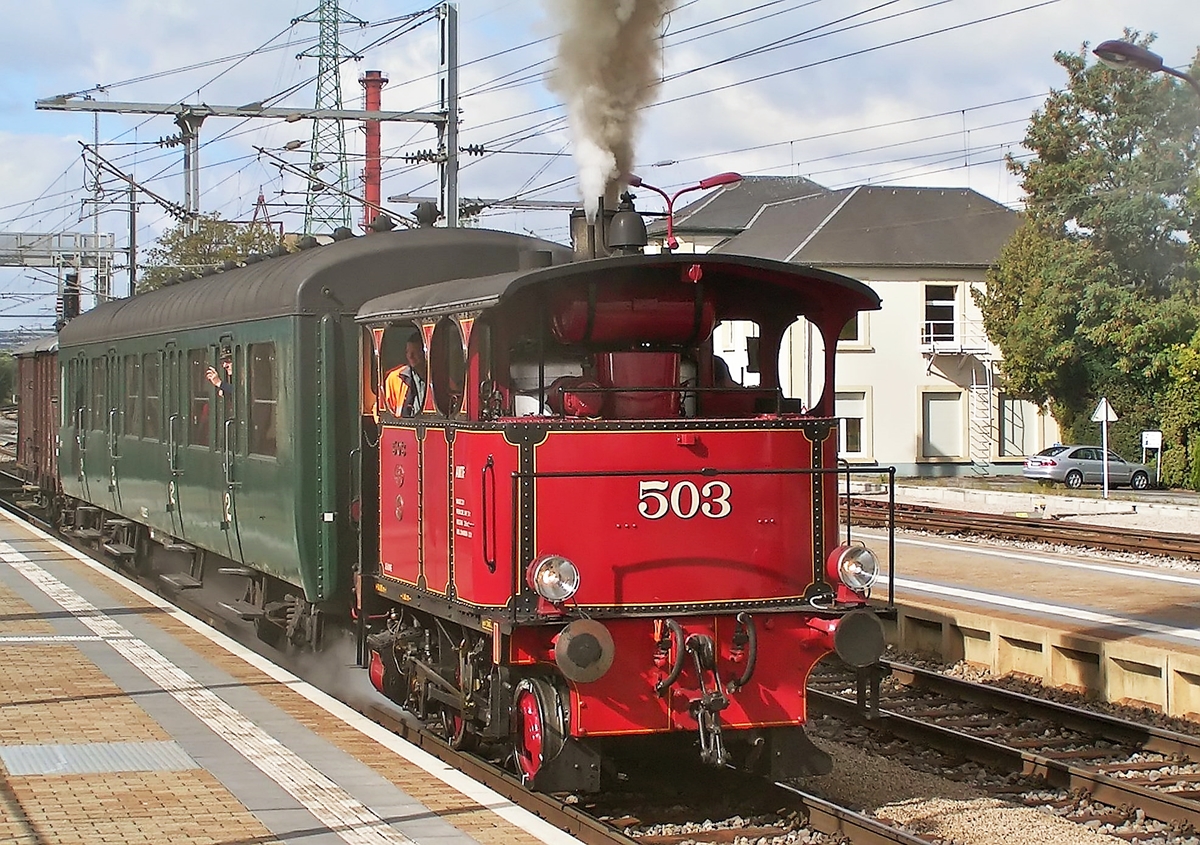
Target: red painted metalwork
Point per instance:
(659, 536)
(530, 733)
(372, 82)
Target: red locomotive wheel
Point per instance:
(530, 733)
(538, 726)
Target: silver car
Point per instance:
(1075, 466)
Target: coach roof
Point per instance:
(336, 278)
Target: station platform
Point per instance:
(123, 720)
(1119, 630)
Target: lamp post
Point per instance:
(703, 185)
(1122, 54)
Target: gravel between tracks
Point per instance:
(935, 806)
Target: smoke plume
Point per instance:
(607, 69)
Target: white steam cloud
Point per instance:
(607, 69)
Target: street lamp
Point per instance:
(1122, 54)
(703, 185)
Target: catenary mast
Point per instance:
(326, 209)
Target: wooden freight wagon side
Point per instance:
(37, 412)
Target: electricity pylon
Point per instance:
(325, 209)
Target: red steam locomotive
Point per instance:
(589, 535)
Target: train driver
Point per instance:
(404, 387)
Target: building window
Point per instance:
(940, 313)
(849, 331)
(133, 393)
(151, 410)
(736, 343)
(850, 407)
(200, 387)
(1020, 424)
(264, 398)
(942, 425)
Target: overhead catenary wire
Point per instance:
(517, 137)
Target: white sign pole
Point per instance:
(1104, 446)
(1104, 414)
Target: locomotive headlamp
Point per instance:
(554, 578)
(855, 566)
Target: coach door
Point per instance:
(174, 401)
(77, 421)
(228, 414)
(112, 426)
(95, 435)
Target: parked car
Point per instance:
(1075, 466)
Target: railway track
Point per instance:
(794, 808)
(873, 512)
(1128, 766)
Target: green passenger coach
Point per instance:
(252, 472)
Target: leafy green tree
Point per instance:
(1097, 290)
(8, 377)
(214, 242)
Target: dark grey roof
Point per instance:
(335, 278)
(728, 210)
(49, 343)
(882, 226)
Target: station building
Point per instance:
(918, 382)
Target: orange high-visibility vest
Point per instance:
(401, 392)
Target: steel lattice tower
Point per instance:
(328, 203)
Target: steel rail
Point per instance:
(941, 520)
(1159, 805)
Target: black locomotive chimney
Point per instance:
(590, 239)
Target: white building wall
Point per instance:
(930, 395)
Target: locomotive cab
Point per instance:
(591, 532)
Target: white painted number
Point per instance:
(693, 500)
(651, 491)
(718, 492)
(685, 499)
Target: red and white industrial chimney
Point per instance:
(372, 82)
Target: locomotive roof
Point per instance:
(336, 278)
(458, 295)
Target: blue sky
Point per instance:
(939, 109)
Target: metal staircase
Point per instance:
(982, 415)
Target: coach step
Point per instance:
(240, 571)
(180, 580)
(119, 550)
(245, 610)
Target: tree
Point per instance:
(1097, 290)
(213, 242)
(8, 377)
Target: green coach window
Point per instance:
(199, 421)
(99, 401)
(133, 393)
(151, 409)
(264, 398)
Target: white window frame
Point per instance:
(863, 341)
(866, 434)
(928, 337)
